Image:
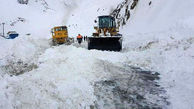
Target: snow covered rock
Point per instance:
(23, 1)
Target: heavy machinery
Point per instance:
(106, 36)
(60, 35)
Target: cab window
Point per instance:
(61, 29)
(58, 29)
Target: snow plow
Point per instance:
(60, 36)
(106, 36)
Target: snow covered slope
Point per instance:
(39, 16)
(33, 22)
(82, 18)
(159, 16)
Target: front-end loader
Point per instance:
(107, 35)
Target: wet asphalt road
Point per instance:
(130, 88)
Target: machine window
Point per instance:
(61, 29)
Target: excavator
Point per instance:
(107, 35)
(60, 36)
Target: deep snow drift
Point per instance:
(158, 37)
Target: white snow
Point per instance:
(81, 20)
(168, 25)
(159, 37)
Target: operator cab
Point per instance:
(106, 22)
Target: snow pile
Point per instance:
(64, 79)
(20, 55)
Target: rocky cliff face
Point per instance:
(123, 11)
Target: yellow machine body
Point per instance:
(59, 34)
(113, 31)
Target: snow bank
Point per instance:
(172, 58)
(160, 37)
